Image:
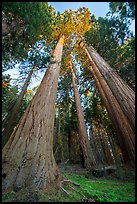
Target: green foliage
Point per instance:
(127, 59)
(124, 12)
(8, 197)
(32, 21)
(26, 100)
(113, 41)
(124, 9)
(95, 109)
(70, 22)
(9, 94)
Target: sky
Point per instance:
(99, 9)
(96, 8)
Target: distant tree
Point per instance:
(9, 95)
(87, 154)
(11, 118)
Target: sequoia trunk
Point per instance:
(122, 92)
(85, 146)
(121, 123)
(28, 155)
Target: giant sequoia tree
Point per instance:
(33, 65)
(33, 135)
(34, 165)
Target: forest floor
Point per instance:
(79, 186)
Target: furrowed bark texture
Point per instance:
(11, 119)
(28, 155)
(120, 121)
(122, 92)
(85, 146)
(106, 103)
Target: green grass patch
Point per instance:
(105, 190)
(99, 190)
(8, 197)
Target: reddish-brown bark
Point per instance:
(122, 92)
(28, 155)
(119, 119)
(85, 146)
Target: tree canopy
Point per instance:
(23, 25)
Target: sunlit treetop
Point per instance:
(4, 84)
(83, 20)
(66, 63)
(72, 22)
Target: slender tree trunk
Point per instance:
(86, 150)
(94, 146)
(28, 155)
(119, 120)
(74, 146)
(55, 136)
(117, 158)
(73, 141)
(70, 144)
(99, 148)
(60, 138)
(106, 147)
(12, 116)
